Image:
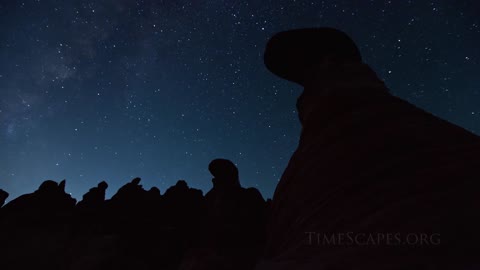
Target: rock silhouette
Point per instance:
(185, 204)
(3, 196)
(235, 217)
(34, 228)
(135, 229)
(95, 197)
(367, 164)
(49, 198)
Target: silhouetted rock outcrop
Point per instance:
(127, 208)
(236, 216)
(225, 174)
(35, 228)
(95, 197)
(368, 164)
(49, 198)
(228, 202)
(184, 204)
(130, 192)
(136, 228)
(91, 215)
(3, 196)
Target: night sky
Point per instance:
(114, 89)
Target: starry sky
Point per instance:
(114, 89)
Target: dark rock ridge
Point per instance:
(136, 228)
(375, 183)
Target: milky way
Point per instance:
(110, 90)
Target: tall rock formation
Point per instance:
(375, 183)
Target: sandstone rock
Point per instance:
(368, 163)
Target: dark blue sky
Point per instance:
(114, 89)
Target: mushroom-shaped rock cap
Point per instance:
(291, 54)
(223, 168)
(136, 181)
(102, 185)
